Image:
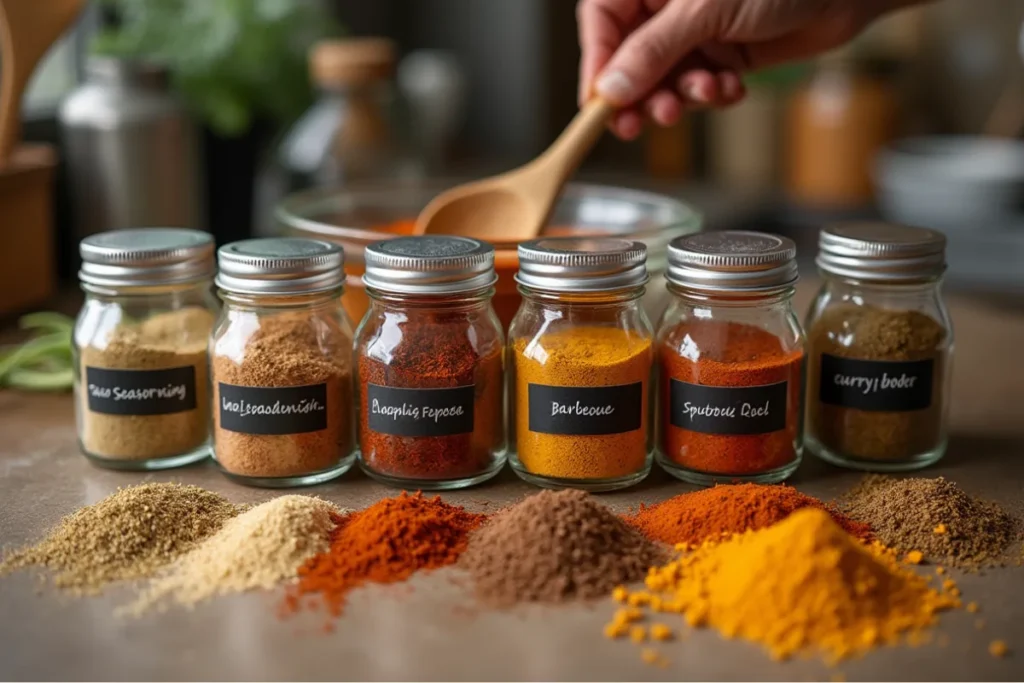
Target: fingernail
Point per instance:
(693, 92)
(614, 86)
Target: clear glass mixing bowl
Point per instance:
(357, 216)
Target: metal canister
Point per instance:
(132, 150)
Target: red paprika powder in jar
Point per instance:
(731, 358)
(430, 364)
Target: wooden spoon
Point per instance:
(515, 206)
(27, 30)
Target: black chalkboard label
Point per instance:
(729, 410)
(874, 385)
(141, 392)
(273, 410)
(420, 412)
(585, 410)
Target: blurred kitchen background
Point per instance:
(212, 114)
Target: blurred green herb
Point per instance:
(233, 61)
(43, 363)
(778, 77)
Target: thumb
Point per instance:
(653, 49)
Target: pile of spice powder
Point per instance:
(692, 518)
(556, 546)
(256, 550)
(385, 543)
(934, 517)
(128, 535)
(803, 585)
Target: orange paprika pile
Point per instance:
(728, 509)
(385, 543)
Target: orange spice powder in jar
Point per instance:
(731, 360)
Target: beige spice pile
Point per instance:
(256, 550)
(128, 535)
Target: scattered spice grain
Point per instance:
(556, 546)
(692, 518)
(258, 549)
(385, 543)
(998, 648)
(128, 535)
(803, 585)
(905, 512)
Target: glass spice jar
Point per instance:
(281, 356)
(881, 348)
(142, 397)
(581, 357)
(731, 359)
(429, 353)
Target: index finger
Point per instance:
(602, 27)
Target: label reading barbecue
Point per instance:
(883, 386)
(141, 392)
(729, 410)
(273, 410)
(588, 411)
(420, 412)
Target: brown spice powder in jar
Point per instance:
(174, 339)
(288, 350)
(875, 334)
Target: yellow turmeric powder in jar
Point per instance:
(580, 360)
(614, 360)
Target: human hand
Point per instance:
(657, 57)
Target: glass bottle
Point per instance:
(140, 348)
(430, 363)
(580, 362)
(881, 349)
(731, 360)
(281, 358)
(356, 129)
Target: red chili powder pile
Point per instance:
(727, 509)
(385, 543)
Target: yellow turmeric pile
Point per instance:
(801, 585)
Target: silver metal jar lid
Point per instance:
(280, 266)
(582, 264)
(430, 264)
(144, 257)
(882, 252)
(732, 261)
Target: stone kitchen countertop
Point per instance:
(430, 628)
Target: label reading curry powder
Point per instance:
(141, 392)
(273, 410)
(876, 385)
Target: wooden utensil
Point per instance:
(515, 205)
(27, 277)
(27, 30)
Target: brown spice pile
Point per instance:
(727, 509)
(385, 543)
(288, 350)
(934, 517)
(127, 535)
(167, 340)
(556, 546)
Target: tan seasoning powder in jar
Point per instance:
(282, 363)
(175, 339)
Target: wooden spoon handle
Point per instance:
(567, 152)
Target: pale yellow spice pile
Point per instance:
(256, 550)
(128, 535)
(803, 585)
